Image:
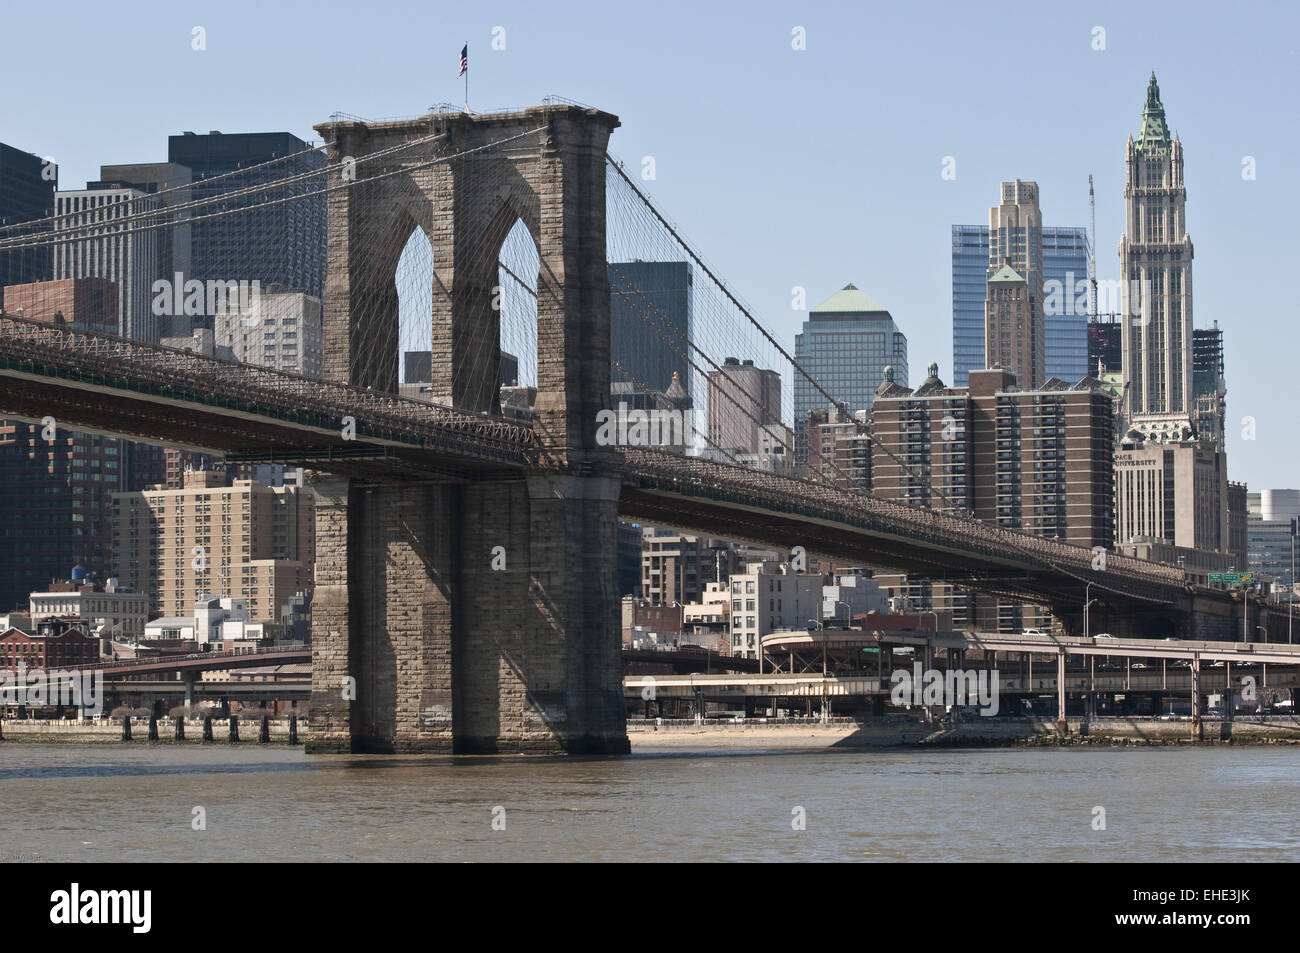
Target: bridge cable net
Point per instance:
(241, 263)
(232, 269)
(721, 326)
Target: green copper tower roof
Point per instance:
(1154, 133)
(1005, 273)
(849, 299)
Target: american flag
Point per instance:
(464, 60)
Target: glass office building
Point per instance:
(650, 302)
(845, 345)
(283, 244)
(1065, 261)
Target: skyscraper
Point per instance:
(1209, 390)
(102, 243)
(281, 245)
(1065, 317)
(845, 345)
(26, 194)
(1016, 240)
(1156, 265)
(56, 484)
(1065, 313)
(169, 184)
(1105, 346)
(650, 323)
(1011, 319)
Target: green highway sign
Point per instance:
(1232, 578)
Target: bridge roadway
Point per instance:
(297, 689)
(103, 384)
(1014, 676)
(201, 662)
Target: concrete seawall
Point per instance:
(892, 731)
(901, 731)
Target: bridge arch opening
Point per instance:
(518, 268)
(413, 278)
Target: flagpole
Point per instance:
(467, 76)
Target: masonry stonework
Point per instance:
(449, 649)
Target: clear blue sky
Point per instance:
(811, 168)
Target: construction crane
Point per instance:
(1092, 250)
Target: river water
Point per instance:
(110, 802)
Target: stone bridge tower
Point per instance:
(477, 614)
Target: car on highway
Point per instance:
(1104, 635)
(1034, 632)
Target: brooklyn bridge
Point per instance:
(465, 595)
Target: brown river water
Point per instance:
(67, 802)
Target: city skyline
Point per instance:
(820, 198)
(498, 433)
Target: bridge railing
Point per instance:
(228, 654)
(75, 354)
(713, 478)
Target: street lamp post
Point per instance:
(1087, 591)
(1290, 592)
(1092, 693)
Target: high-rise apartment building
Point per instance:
(282, 245)
(27, 185)
(57, 497)
(743, 400)
(845, 345)
(1156, 267)
(278, 330)
(56, 484)
(100, 239)
(1038, 460)
(676, 567)
(650, 303)
(212, 538)
(839, 449)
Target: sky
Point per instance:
(785, 167)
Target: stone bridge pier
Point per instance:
(471, 618)
(477, 615)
